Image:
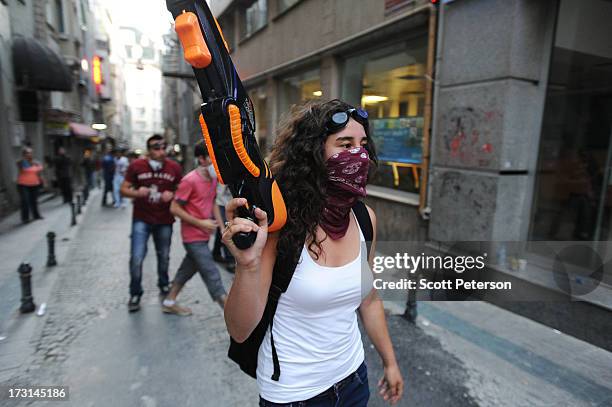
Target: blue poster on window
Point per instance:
(399, 139)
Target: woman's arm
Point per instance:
(248, 295)
(372, 313)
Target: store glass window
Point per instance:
(390, 84)
(256, 17)
(259, 98)
(573, 190)
(300, 88)
(55, 15)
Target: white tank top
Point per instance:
(316, 334)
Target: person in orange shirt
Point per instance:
(29, 182)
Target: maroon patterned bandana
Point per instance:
(348, 174)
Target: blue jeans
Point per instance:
(350, 392)
(117, 181)
(199, 259)
(162, 237)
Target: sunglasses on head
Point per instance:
(158, 146)
(339, 120)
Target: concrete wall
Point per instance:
(7, 192)
(487, 116)
(307, 27)
(396, 221)
(16, 18)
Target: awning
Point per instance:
(81, 130)
(39, 67)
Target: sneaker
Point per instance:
(176, 310)
(134, 303)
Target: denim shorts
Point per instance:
(351, 391)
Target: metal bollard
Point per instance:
(73, 214)
(78, 203)
(411, 313)
(51, 261)
(27, 301)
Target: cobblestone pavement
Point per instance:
(89, 342)
(108, 357)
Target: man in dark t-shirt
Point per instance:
(151, 183)
(63, 174)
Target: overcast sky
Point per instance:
(149, 16)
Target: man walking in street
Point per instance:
(194, 204)
(89, 170)
(63, 174)
(151, 182)
(108, 171)
(121, 166)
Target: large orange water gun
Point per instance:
(227, 117)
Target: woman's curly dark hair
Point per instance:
(298, 163)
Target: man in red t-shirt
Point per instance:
(194, 204)
(151, 183)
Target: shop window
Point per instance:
(573, 190)
(390, 84)
(255, 17)
(286, 4)
(55, 15)
(260, 104)
(298, 89)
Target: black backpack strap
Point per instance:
(273, 297)
(365, 223)
(281, 278)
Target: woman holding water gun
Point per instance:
(321, 161)
(297, 230)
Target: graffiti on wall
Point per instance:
(467, 135)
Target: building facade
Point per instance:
(492, 118)
(48, 95)
(181, 102)
(378, 56)
(141, 72)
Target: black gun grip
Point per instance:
(244, 240)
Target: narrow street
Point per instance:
(459, 354)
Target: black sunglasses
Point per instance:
(158, 146)
(339, 119)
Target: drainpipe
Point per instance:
(438, 30)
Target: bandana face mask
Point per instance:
(348, 174)
(348, 171)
